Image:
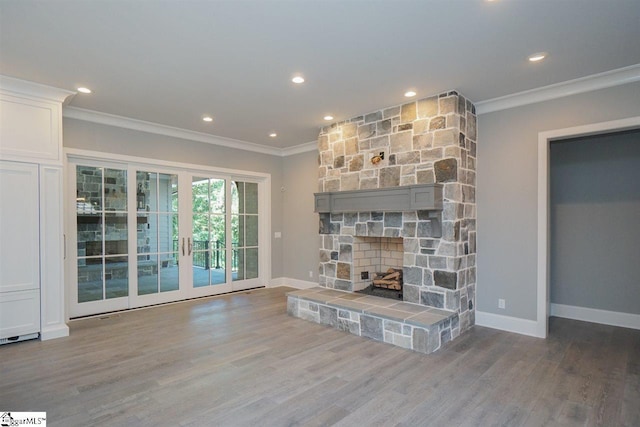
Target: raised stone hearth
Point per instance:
(411, 326)
(402, 150)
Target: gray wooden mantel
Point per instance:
(396, 199)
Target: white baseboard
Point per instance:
(292, 283)
(594, 315)
(508, 323)
(57, 331)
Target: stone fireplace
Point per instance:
(425, 145)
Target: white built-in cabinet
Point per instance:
(31, 208)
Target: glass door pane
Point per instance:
(207, 243)
(244, 228)
(102, 233)
(157, 232)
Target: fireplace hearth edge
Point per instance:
(403, 324)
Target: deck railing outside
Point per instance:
(204, 258)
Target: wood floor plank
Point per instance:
(239, 359)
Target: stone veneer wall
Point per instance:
(432, 140)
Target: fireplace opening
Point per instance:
(378, 266)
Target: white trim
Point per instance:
(594, 315)
(507, 323)
(544, 140)
(22, 88)
(56, 331)
(175, 132)
(571, 87)
(264, 235)
(52, 286)
(75, 153)
(542, 260)
(73, 157)
(292, 283)
(277, 282)
(301, 148)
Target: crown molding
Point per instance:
(159, 129)
(604, 80)
(300, 148)
(34, 90)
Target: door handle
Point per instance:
(183, 246)
(189, 245)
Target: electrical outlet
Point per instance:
(501, 303)
(364, 275)
(311, 274)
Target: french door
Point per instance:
(145, 235)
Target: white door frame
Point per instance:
(544, 142)
(75, 156)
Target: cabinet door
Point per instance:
(30, 129)
(19, 313)
(19, 250)
(19, 227)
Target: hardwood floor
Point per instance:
(240, 360)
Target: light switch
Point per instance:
(277, 234)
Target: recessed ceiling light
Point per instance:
(207, 118)
(410, 93)
(328, 117)
(273, 134)
(84, 90)
(298, 79)
(537, 57)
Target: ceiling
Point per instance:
(172, 61)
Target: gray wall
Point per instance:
(109, 139)
(506, 192)
(595, 222)
(300, 234)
